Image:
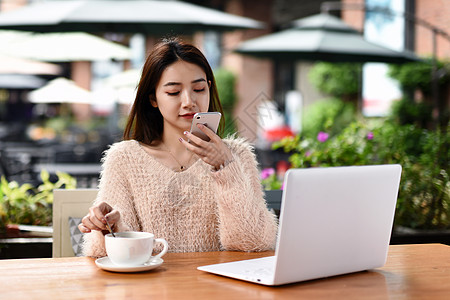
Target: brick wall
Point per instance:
(353, 17)
(254, 76)
(437, 13)
(6, 5)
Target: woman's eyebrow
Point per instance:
(171, 83)
(199, 80)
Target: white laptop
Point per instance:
(333, 221)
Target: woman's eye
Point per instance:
(173, 94)
(199, 90)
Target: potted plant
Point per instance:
(23, 204)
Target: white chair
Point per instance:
(68, 203)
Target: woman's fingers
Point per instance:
(193, 139)
(113, 217)
(213, 152)
(96, 218)
(87, 223)
(83, 228)
(206, 130)
(198, 146)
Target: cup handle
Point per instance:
(164, 250)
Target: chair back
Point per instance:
(67, 203)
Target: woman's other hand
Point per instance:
(97, 216)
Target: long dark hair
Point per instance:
(145, 122)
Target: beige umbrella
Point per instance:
(60, 90)
(127, 78)
(61, 47)
(122, 86)
(14, 65)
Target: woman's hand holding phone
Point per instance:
(213, 151)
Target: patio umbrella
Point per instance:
(123, 85)
(127, 78)
(321, 37)
(119, 88)
(60, 90)
(157, 17)
(13, 65)
(61, 47)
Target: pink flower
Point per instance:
(370, 135)
(307, 153)
(267, 172)
(322, 136)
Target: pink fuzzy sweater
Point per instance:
(194, 210)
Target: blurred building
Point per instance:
(412, 31)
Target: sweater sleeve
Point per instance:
(245, 223)
(115, 190)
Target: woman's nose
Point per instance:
(187, 99)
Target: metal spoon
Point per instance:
(109, 228)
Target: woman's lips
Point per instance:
(188, 116)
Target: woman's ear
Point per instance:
(209, 83)
(153, 101)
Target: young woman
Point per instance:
(198, 195)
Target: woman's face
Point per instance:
(182, 91)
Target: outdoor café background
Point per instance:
(264, 99)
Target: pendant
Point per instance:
(181, 168)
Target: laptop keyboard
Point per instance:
(260, 266)
(260, 272)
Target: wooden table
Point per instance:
(411, 272)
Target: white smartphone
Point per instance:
(209, 119)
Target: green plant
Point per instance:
(226, 81)
(418, 75)
(424, 194)
(25, 204)
(331, 115)
(352, 146)
(336, 79)
(269, 179)
(406, 111)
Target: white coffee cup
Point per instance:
(132, 248)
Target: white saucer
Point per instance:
(106, 264)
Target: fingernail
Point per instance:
(186, 133)
(104, 220)
(180, 139)
(200, 125)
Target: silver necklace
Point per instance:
(182, 168)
